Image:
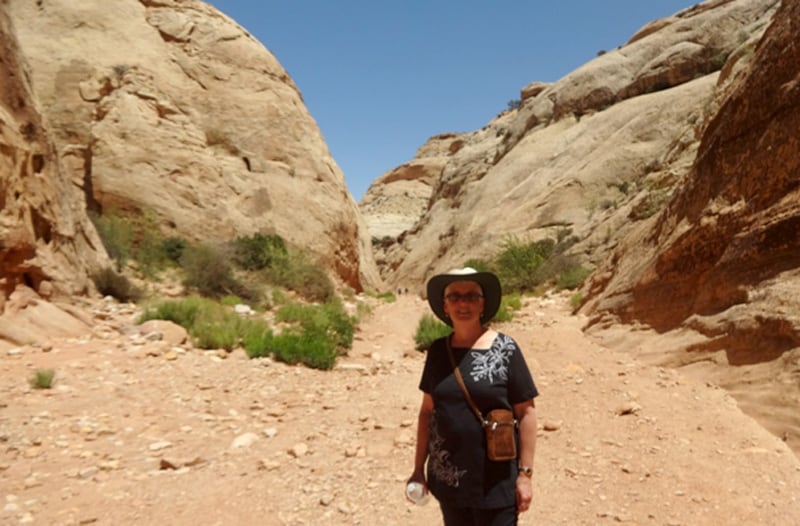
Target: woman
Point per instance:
(470, 488)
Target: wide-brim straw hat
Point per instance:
(492, 293)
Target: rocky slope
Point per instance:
(173, 109)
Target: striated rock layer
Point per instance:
(173, 109)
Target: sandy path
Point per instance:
(136, 432)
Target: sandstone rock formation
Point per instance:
(47, 244)
(171, 108)
(593, 153)
(722, 260)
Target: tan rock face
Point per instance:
(46, 241)
(734, 225)
(172, 108)
(722, 262)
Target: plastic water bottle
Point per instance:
(416, 493)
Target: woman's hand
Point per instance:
(524, 492)
(417, 476)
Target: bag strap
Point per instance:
(460, 380)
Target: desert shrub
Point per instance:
(259, 251)
(298, 273)
(183, 312)
(218, 332)
(429, 329)
(535, 266)
(110, 283)
(211, 325)
(388, 297)
(209, 271)
(148, 245)
(173, 248)
(137, 238)
(256, 339)
(42, 379)
(518, 262)
(576, 301)
(329, 320)
(230, 300)
(314, 339)
(116, 234)
(572, 277)
(509, 304)
(309, 346)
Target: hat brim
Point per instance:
(488, 282)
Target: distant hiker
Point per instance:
(472, 489)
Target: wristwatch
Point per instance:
(526, 470)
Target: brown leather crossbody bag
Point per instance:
(499, 425)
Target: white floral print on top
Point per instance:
(439, 459)
(494, 362)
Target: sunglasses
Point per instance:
(469, 297)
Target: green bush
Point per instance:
(533, 266)
(576, 301)
(117, 234)
(518, 263)
(221, 332)
(110, 283)
(173, 248)
(148, 245)
(314, 338)
(388, 297)
(209, 271)
(508, 305)
(256, 339)
(259, 251)
(296, 272)
(329, 320)
(429, 329)
(572, 277)
(211, 325)
(138, 238)
(309, 346)
(42, 379)
(183, 312)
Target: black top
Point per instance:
(459, 472)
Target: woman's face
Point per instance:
(463, 301)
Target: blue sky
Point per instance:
(381, 77)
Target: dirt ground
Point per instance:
(141, 431)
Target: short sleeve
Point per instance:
(521, 386)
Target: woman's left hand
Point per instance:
(524, 492)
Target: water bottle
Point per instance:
(416, 493)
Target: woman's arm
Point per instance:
(526, 415)
(421, 455)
